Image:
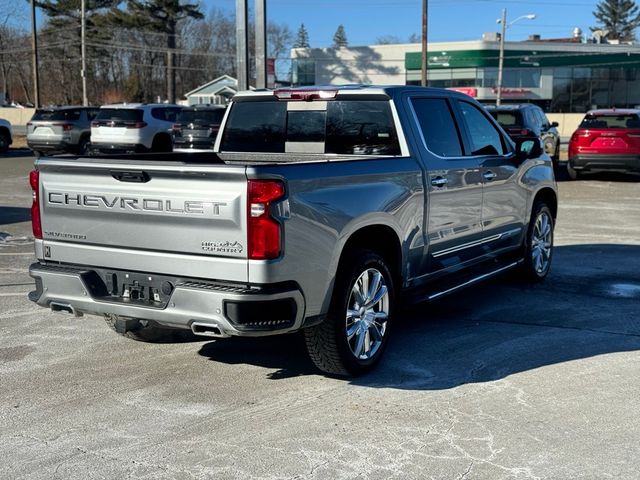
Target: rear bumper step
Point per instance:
(206, 308)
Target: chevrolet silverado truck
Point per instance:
(320, 209)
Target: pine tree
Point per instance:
(340, 38)
(302, 38)
(619, 17)
(158, 16)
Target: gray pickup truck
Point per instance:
(320, 209)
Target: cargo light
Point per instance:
(36, 223)
(264, 236)
(305, 95)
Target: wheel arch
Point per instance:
(549, 197)
(381, 239)
(7, 132)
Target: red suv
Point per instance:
(606, 140)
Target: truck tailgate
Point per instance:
(166, 208)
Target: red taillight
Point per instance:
(176, 126)
(306, 95)
(29, 124)
(36, 224)
(95, 123)
(136, 125)
(525, 132)
(263, 231)
(65, 126)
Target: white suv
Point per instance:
(6, 137)
(133, 128)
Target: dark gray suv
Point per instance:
(61, 129)
(528, 121)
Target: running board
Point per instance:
(474, 280)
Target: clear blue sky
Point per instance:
(449, 20)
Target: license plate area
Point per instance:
(130, 287)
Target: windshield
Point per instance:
(611, 121)
(348, 127)
(201, 117)
(508, 119)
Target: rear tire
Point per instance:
(573, 174)
(162, 143)
(538, 244)
(83, 147)
(556, 155)
(353, 337)
(144, 331)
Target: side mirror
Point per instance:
(528, 148)
(554, 124)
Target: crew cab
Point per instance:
(319, 210)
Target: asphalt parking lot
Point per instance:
(500, 381)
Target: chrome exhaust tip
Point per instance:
(208, 330)
(65, 308)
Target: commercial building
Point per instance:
(560, 76)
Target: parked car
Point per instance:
(6, 135)
(606, 140)
(528, 120)
(197, 126)
(133, 128)
(61, 129)
(319, 209)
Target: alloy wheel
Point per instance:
(367, 314)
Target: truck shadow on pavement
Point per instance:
(9, 215)
(588, 306)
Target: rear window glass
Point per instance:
(120, 114)
(56, 115)
(348, 127)
(201, 117)
(508, 119)
(611, 121)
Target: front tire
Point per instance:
(538, 247)
(4, 142)
(353, 337)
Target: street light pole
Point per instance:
(425, 30)
(501, 58)
(504, 23)
(34, 56)
(261, 43)
(83, 53)
(242, 44)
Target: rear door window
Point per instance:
(201, 117)
(611, 121)
(118, 117)
(508, 119)
(439, 131)
(57, 115)
(350, 127)
(484, 137)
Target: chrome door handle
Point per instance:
(439, 181)
(488, 176)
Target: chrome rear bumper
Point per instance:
(223, 310)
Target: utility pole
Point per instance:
(425, 31)
(34, 56)
(501, 57)
(242, 44)
(261, 44)
(83, 70)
